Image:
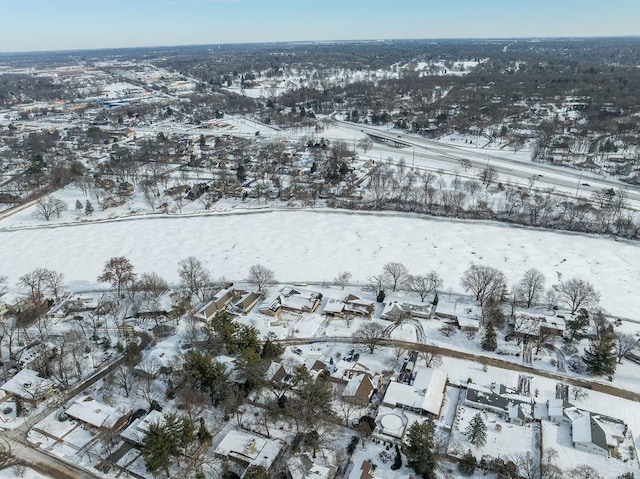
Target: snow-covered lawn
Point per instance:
(316, 245)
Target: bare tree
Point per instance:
(4, 287)
(424, 285)
(584, 472)
(396, 274)
(261, 277)
(625, 343)
(431, 360)
(579, 394)
(118, 272)
(49, 206)
(365, 143)
(342, 279)
(195, 278)
(41, 282)
(123, 377)
(153, 285)
(376, 283)
(532, 286)
(484, 282)
(466, 164)
(577, 293)
(371, 335)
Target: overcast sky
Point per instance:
(29, 25)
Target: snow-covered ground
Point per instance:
(315, 245)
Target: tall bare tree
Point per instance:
(261, 277)
(484, 282)
(371, 335)
(396, 274)
(118, 272)
(424, 285)
(195, 278)
(532, 286)
(577, 293)
(49, 206)
(342, 279)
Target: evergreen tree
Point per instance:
(489, 342)
(78, 205)
(397, 462)
(576, 327)
(467, 464)
(241, 173)
(421, 449)
(88, 208)
(256, 472)
(476, 431)
(165, 440)
(600, 355)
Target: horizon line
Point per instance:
(287, 42)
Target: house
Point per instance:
(218, 303)
(362, 470)
(393, 311)
(138, 429)
(297, 300)
(359, 390)
(538, 326)
(303, 467)
(513, 407)
(591, 432)
(424, 396)
(597, 434)
(27, 385)
(275, 373)
(247, 302)
(247, 449)
(99, 415)
(350, 306)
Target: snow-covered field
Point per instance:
(314, 245)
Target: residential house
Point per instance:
(296, 300)
(28, 386)
(350, 306)
(592, 432)
(99, 415)
(513, 407)
(247, 302)
(394, 310)
(218, 303)
(275, 373)
(138, 429)
(247, 449)
(424, 396)
(301, 466)
(359, 390)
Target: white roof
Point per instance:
(138, 429)
(249, 448)
(334, 306)
(426, 393)
(27, 384)
(96, 413)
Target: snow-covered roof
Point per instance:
(352, 387)
(138, 429)
(426, 393)
(249, 448)
(302, 467)
(96, 413)
(26, 384)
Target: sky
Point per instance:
(34, 25)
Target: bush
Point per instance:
(467, 464)
(352, 445)
(397, 463)
(381, 296)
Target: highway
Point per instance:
(425, 153)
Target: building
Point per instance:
(513, 407)
(138, 429)
(28, 386)
(359, 390)
(394, 311)
(303, 467)
(424, 396)
(97, 414)
(218, 303)
(247, 449)
(296, 300)
(350, 306)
